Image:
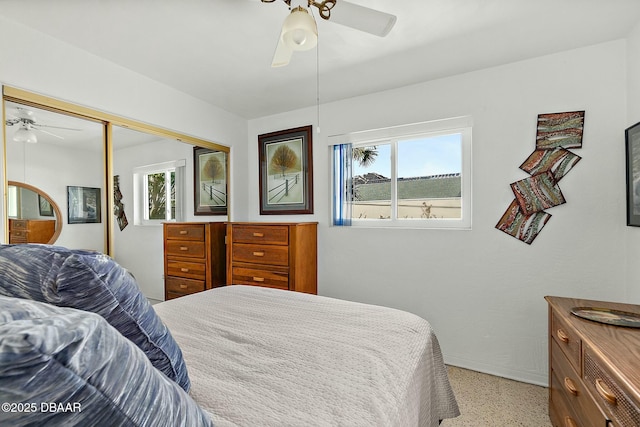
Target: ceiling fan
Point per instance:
(27, 122)
(300, 32)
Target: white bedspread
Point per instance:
(263, 357)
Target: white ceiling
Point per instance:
(221, 50)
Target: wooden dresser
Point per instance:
(594, 375)
(31, 230)
(194, 257)
(275, 255)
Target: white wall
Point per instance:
(483, 290)
(42, 64)
(633, 116)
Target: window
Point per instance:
(158, 193)
(415, 176)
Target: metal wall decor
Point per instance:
(526, 216)
(118, 206)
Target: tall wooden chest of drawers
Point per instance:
(594, 375)
(275, 255)
(194, 257)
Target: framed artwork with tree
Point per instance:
(286, 172)
(210, 181)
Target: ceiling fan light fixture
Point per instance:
(25, 134)
(299, 31)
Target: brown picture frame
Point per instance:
(286, 172)
(210, 187)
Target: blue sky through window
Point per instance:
(419, 157)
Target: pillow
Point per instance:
(61, 366)
(92, 281)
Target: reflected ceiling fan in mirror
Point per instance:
(300, 32)
(28, 126)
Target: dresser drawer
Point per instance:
(190, 270)
(186, 248)
(271, 235)
(18, 237)
(185, 231)
(560, 410)
(572, 387)
(179, 285)
(18, 224)
(261, 254)
(608, 393)
(269, 278)
(21, 234)
(567, 340)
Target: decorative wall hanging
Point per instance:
(632, 140)
(209, 181)
(560, 130)
(118, 206)
(286, 172)
(558, 161)
(522, 227)
(525, 217)
(83, 205)
(537, 193)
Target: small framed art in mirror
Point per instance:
(632, 139)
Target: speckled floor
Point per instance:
(489, 401)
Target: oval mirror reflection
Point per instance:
(33, 216)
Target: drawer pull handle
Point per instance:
(184, 232)
(569, 422)
(570, 386)
(605, 392)
(184, 270)
(258, 254)
(183, 286)
(258, 234)
(258, 279)
(184, 248)
(563, 336)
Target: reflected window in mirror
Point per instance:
(158, 193)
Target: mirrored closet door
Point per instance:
(55, 160)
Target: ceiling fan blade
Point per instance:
(283, 54)
(48, 133)
(38, 125)
(362, 18)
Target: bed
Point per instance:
(267, 357)
(81, 345)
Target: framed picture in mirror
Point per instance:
(209, 181)
(83, 205)
(632, 140)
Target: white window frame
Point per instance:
(141, 196)
(458, 125)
